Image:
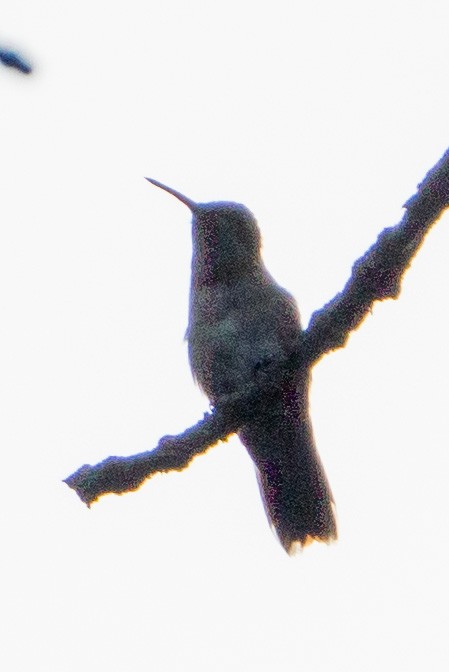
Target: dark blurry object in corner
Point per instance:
(14, 60)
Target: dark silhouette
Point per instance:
(242, 325)
(13, 60)
(375, 276)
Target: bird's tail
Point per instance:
(294, 488)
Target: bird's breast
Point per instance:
(234, 330)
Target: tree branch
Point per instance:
(375, 276)
(173, 453)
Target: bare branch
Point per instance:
(375, 276)
(173, 453)
(124, 474)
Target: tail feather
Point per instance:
(299, 505)
(294, 488)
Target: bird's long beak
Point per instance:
(187, 201)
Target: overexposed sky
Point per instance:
(321, 118)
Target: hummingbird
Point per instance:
(242, 327)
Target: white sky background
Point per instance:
(322, 118)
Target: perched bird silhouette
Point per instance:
(242, 326)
